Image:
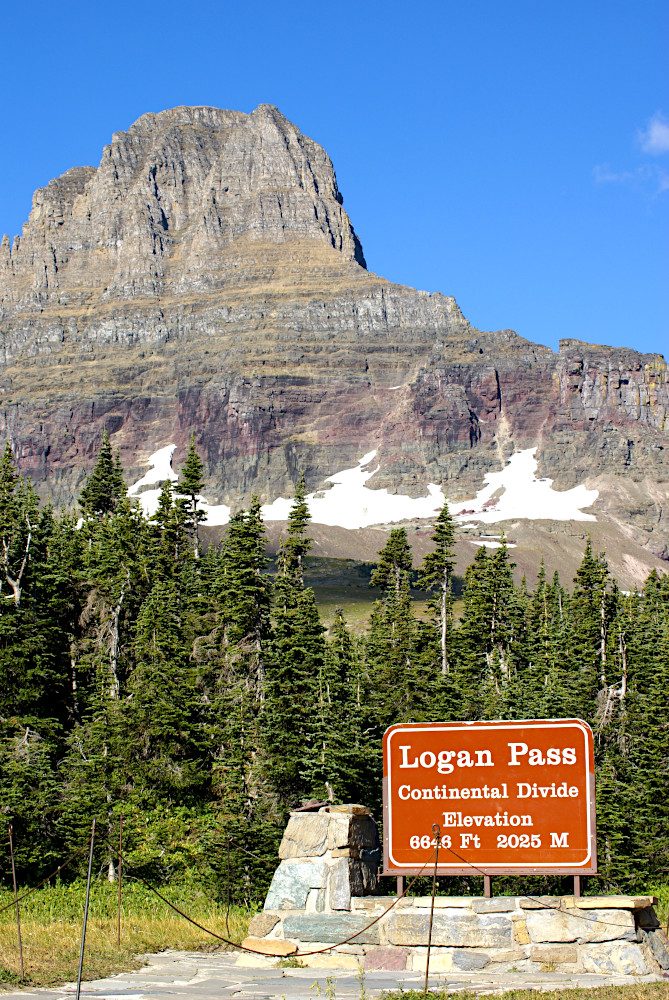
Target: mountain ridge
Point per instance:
(206, 278)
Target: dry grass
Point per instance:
(51, 931)
(638, 991)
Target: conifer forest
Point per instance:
(197, 693)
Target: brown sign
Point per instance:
(508, 797)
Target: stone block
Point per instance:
(350, 808)
(337, 961)
(561, 926)
(262, 924)
(363, 832)
(339, 886)
(330, 928)
(315, 901)
(362, 875)
(392, 959)
(658, 943)
(270, 947)
(450, 929)
(498, 904)
(614, 958)
(610, 902)
(339, 832)
(442, 902)
(647, 917)
(441, 960)
(291, 884)
(538, 902)
(469, 959)
(520, 932)
(306, 836)
(555, 953)
(372, 904)
(605, 925)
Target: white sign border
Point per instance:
(474, 727)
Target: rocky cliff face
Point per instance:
(205, 277)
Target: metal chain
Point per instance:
(44, 881)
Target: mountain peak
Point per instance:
(170, 198)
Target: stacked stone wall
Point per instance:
(325, 892)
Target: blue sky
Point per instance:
(513, 155)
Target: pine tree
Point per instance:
(243, 586)
(105, 486)
(394, 568)
(188, 489)
(589, 615)
(293, 551)
(436, 575)
(166, 757)
(290, 724)
(390, 645)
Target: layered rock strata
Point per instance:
(206, 278)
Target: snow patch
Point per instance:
(349, 503)
(161, 469)
(524, 496)
(514, 493)
(478, 542)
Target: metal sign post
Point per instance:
(511, 798)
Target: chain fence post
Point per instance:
(120, 879)
(227, 905)
(436, 830)
(88, 896)
(16, 898)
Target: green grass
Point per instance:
(51, 920)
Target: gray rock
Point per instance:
(610, 957)
(656, 940)
(498, 904)
(560, 926)
(647, 917)
(339, 886)
(469, 959)
(305, 836)
(291, 884)
(329, 928)
(262, 924)
(455, 929)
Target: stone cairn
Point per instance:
(326, 888)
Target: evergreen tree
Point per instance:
(188, 489)
(390, 647)
(105, 486)
(436, 575)
(166, 758)
(295, 665)
(293, 551)
(589, 615)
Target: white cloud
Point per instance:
(654, 138)
(649, 178)
(604, 175)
